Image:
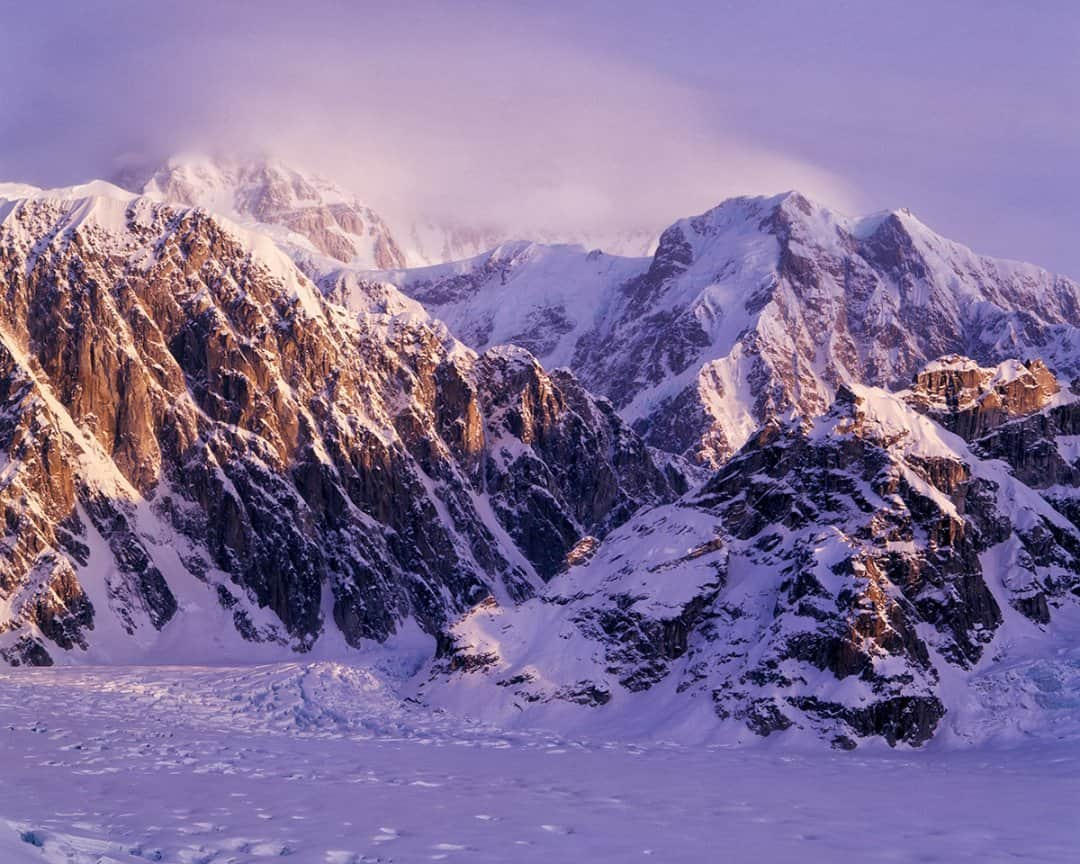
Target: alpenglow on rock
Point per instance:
(202, 453)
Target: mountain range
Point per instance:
(791, 473)
(311, 215)
(759, 306)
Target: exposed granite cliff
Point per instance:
(182, 408)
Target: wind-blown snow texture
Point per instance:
(320, 764)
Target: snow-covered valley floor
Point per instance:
(321, 763)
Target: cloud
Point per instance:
(473, 116)
(595, 144)
(569, 115)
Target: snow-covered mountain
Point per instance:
(223, 441)
(755, 307)
(546, 298)
(305, 213)
(321, 223)
(864, 573)
(203, 456)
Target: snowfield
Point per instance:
(323, 762)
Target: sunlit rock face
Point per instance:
(970, 400)
(195, 439)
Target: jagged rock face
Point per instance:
(275, 195)
(970, 400)
(1014, 412)
(545, 492)
(184, 416)
(799, 301)
(756, 307)
(832, 576)
(1041, 449)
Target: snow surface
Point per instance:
(320, 762)
(509, 294)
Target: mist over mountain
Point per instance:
(596, 119)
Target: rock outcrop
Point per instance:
(831, 577)
(970, 400)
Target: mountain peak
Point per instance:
(305, 213)
(242, 185)
(95, 203)
(779, 212)
(92, 189)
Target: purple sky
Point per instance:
(582, 114)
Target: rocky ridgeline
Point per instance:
(832, 576)
(756, 307)
(970, 400)
(753, 308)
(184, 416)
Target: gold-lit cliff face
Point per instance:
(185, 412)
